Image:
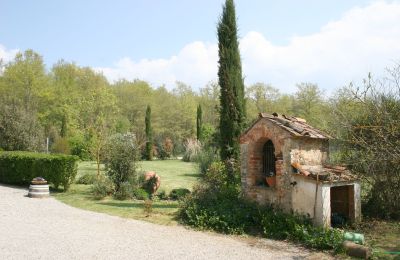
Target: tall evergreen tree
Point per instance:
(149, 135)
(199, 123)
(232, 102)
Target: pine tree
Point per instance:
(199, 123)
(232, 102)
(149, 134)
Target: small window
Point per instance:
(269, 159)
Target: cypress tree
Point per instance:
(199, 123)
(149, 135)
(232, 103)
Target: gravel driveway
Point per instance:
(49, 229)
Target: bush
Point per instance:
(367, 118)
(162, 195)
(102, 187)
(125, 191)
(150, 185)
(221, 211)
(121, 157)
(205, 158)
(192, 149)
(20, 129)
(86, 179)
(217, 204)
(178, 194)
(80, 147)
(21, 167)
(140, 194)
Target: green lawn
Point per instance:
(173, 173)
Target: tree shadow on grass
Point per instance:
(138, 205)
(194, 175)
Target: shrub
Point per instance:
(217, 204)
(121, 157)
(162, 195)
(221, 211)
(102, 187)
(192, 149)
(205, 158)
(21, 167)
(178, 194)
(79, 146)
(148, 207)
(20, 129)
(87, 179)
(150, 185)
(140, 194)
(125, 191)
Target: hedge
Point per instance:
(20, 168)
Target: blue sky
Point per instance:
(282, 42)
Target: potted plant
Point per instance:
(271, 179)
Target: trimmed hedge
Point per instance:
(21, 167)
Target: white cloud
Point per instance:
(364, 40)
(7, 55)
(195, 64)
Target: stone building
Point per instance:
(284, 162)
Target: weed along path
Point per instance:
(49, 229)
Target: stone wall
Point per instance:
(252, 144)
(291, 192)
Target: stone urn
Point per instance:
(38, 188)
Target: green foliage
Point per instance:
(232, 102)
(217, 204)
(87, 179)
(162, 195)
(19, 129)
(80, 147)
(149, 185)
(199, 123)
(178, 194)
(140, 194)
(21, 167)
(205, 158)
(102, 187)
(149, 135)
(121, 159)
(124, 192)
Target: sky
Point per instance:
(282, 43)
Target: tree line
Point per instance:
(77, 108)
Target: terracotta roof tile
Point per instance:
(296, 126)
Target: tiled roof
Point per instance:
(326, 173)
(296, 126)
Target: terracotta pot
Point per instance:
(271, 181)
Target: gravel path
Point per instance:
(49, 229)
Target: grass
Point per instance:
(382, 236)
(173, 173)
